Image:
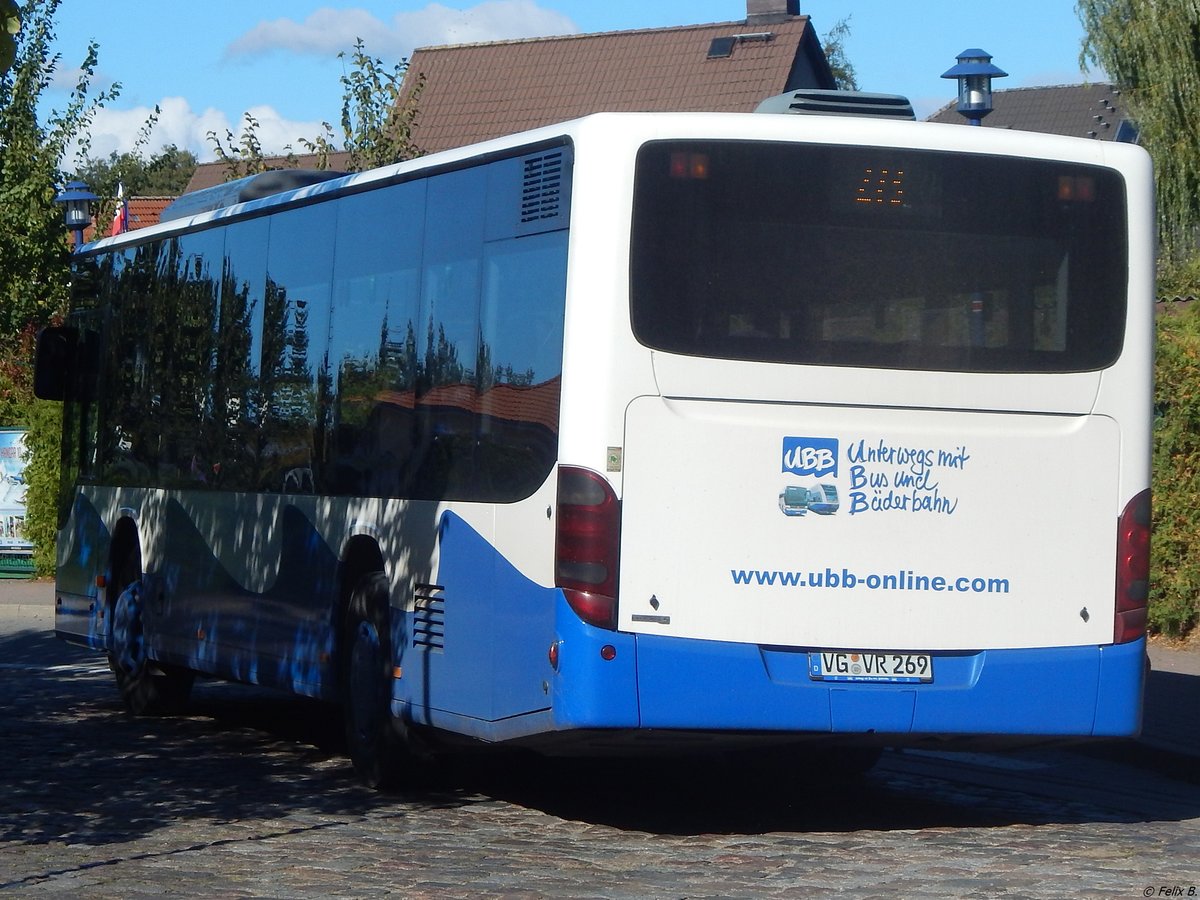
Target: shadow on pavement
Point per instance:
(79, 770)
(1172, 715)
(1170, 741)
(706, 796)
(39, 647)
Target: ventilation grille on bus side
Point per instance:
(541, 195)
(429, 617)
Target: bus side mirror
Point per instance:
(55, 350)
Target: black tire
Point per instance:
(146, 688)
(374, 738)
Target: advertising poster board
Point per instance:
(13, 456)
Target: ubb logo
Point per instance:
(810, 456)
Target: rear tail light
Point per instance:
(585, 551)
(1133, 569)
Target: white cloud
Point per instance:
(324, 33)
(65, 79)
(329, 31)
(178, 124)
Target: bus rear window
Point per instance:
(877, 257)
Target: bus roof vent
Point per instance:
(839, 103)
(252, 187)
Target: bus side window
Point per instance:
(521, 348)
(373, 346)
(295, 405)
(448, 335)
(235, 396)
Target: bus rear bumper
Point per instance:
(691, 685)
(1073, 691)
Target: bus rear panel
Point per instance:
(890, 481)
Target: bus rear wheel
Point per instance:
(374, 738)
(145, 687)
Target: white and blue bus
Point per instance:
(491, 443)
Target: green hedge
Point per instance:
(1175, 548)
(41, 474)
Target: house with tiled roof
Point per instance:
(143, 212)
(1076, 110)
(474, 92)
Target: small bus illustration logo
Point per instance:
(793, 500)
(798, 500)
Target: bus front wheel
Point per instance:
(374, 737)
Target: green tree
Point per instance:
(33, 248)
(164, 174)
(33, 256)
(10, 24)
(1148, 48)
(835, 52)
(379, 114)
(243, 154)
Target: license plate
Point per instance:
(891, 668)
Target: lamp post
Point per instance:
(76, 201)
(974, 73)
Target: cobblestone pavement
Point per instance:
(250, 796)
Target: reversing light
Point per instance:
(586, 542)
(1133, 570)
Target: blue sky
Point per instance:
(207, 63)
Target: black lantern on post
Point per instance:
(974, 73)
(76, 201)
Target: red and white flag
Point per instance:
(120, 222)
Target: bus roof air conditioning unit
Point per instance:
(242, 190)
(839, 103)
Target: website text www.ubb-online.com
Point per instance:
(903, 580)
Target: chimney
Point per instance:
(767, 11)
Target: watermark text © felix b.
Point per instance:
(1171, 890)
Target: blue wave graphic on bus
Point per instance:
(810, 456)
